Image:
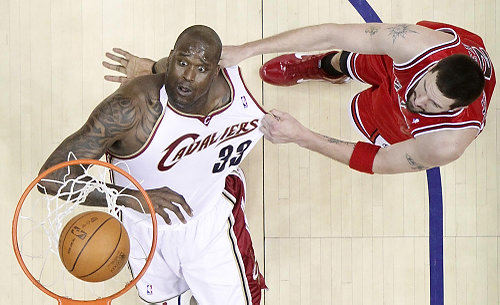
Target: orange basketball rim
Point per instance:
(61, 299)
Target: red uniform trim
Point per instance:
(253, 279)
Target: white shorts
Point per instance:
(212, 255)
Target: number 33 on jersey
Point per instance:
(192, 154)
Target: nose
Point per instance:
(189, 73)
(421, 101)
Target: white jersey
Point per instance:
(193, 154)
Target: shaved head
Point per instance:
(192, 69)
(200, 37)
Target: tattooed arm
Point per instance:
(109, 123)
(412, 155)
(400, 41)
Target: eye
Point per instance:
(182, 63)
(202, 69)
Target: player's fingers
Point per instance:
(160, 211)
(271, 118)
(264, 130)
(277, 113)
(116, 79)
(118, 68)
(123, 52)
(179, 199)
(184, 205)
(174, 208)
(119, 59)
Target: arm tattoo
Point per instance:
(372, 30)
(413, 163)
(109, 119)
(335, 141)
(399, 30)
(113, 117)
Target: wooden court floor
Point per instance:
(323, 234)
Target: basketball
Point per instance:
(94, 246)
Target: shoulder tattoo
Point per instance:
(399, 30)
(113, 116)
(109, 119)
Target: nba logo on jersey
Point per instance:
(149, 289)
(244, 101)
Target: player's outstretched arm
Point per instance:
(417, 154)
(400, 41)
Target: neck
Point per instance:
(218, 95)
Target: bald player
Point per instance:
(182, 133)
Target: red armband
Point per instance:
(362, 157)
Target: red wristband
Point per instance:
(362, 157)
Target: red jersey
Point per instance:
(382, 108)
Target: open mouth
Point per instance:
(183, 90)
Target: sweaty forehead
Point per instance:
(199, 48)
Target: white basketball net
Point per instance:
(43, 216)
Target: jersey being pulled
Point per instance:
(193, 154)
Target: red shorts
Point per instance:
(373, 111)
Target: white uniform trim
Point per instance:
(443, 46)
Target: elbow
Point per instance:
(443, 156)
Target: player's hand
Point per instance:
(232, 55)
(165, 198)
(281, 127)
(128, 64)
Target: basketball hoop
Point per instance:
(63, 300)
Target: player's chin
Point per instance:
(182, 103)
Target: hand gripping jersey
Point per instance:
(193, 154)
(381, 110)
